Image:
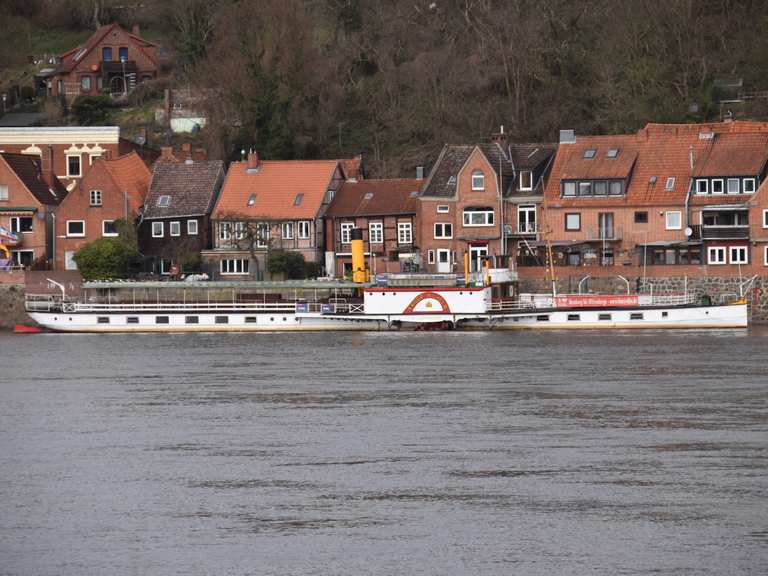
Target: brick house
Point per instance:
(67, 152)
(474, 200)
(175, 220)
(111, 61)
(270, 205)
(386, 211)
(112, 190)
(666, 195)
(27, 205)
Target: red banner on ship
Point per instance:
(595, 301)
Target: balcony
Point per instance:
(733, 232)
(603, 234)
(521, 229)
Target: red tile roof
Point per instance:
(276, 184)
(659, 152)
(68, 61)
(131, 175)
(352, 167)
(376, 198)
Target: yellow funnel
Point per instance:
(359, 271)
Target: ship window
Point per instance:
(574, 317)
(161, 319)
(604, 317)
(636, 316)
(222, 319)
(664, 314)
(542, 318)
(191, 319)
(103, 320)
(250, 319)
(132, 320)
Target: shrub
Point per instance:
(291, 264)
(91, 110)
(192, 263)
(105, 258)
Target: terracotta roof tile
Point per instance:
(131, 175)
(275, 186)
(376, 198)
(192, 188)
(68, 62)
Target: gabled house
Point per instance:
(112, 190)
(658, 197)
(27, 205)
(268, 205)
(175, 220)
(386, 211)
(475, 199)
(111, 61)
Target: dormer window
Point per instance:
(298, 199)
(478, 180)
(702, 186)
(368, 196)
(164, 201)
(251, 199)
(612, 153)
(590, 153)
(526, 180)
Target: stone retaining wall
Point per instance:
(717, 288)
(12, 306)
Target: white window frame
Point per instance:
(346, 232)
(17, 228)
(721, 182)
(441, 235)
(736, 250)
(192, 227)
(765, 218)
(239, 231)
(375, 232)
(174, 224)
(286, 230)
(225, 231)
(404, 233)
(765, 255)
(488, 217)
(679, 225)
(79, 164)
(478, 180)
(669, 186)
(83, 79)
(94, 196)
(443, 252)
(4, 192)
(262, 234)
(530, 180)
(104, 229)
(70, 235)
(526, 209)
(431, 256)
(158, 229)
(716, 250)
(234, 266)
(752, 186)
(569, 186)
(304, 229)
(702, 186)
(165, 271)
(737, 182)
(69, 260)
(443, 209)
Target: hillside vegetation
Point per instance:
(395, 79)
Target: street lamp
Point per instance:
(4, 98)
(125, 84)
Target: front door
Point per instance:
(476, 255)
(443, 261)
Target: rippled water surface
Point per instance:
(422, 453)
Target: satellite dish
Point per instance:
(688, 231)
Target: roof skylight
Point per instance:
(368, 196)
(590, 153)
(612, 153)
(670, 185)
(298, 199)
(251, 199)
(164, 201)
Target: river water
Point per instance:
(384, 453)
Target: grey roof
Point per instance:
(22, 119)
(504, 159)
(192, 188)
(29, 170)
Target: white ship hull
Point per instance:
(685, 317)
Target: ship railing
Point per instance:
(43, 303)
(332, 307)
(172, 306)
(507, 305)
(669, 299)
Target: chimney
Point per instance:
(499, 138)
(166, 153)
(253, 162)
(420, 172)
(136, 31)
(567, 137)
